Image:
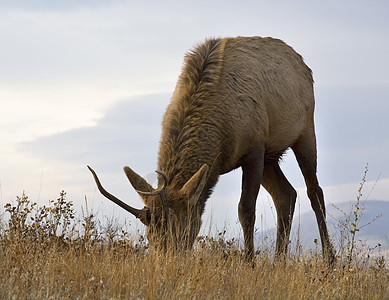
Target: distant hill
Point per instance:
(305, 227)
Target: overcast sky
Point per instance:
(87, 82)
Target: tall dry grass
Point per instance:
(46, 253)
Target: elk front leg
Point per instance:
(252, 167)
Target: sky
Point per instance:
(87, 82)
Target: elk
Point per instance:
(239, 102)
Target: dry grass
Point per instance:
(86, 263)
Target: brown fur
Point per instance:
(239, 102)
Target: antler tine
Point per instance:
(141, 214)
(158, 191)
(163, 174)
(161, 192)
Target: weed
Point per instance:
(350, 225)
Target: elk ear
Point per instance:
(195, 185)
(137, 181)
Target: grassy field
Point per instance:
(49, 253)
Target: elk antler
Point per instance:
(141, 214)
(161, 192)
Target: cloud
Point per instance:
(48, 5)
(128, 133)
(109, 38)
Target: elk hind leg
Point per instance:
(284, 198)
(305, 152)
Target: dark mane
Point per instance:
(202, 65)
(182, 131)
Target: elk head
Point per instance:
(170, 215)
